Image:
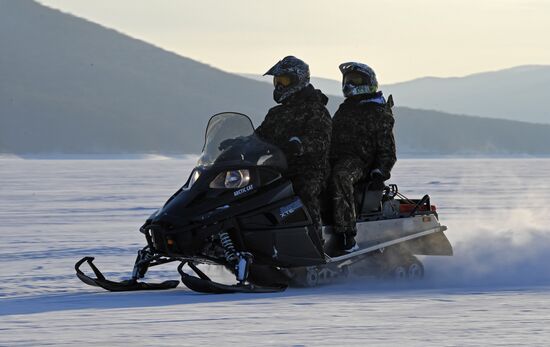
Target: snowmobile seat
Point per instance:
(367, 200)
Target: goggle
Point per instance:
(282, 80)
(355, 79)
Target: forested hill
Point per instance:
(432, 132)
(71, 86)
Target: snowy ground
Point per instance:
(494, 291)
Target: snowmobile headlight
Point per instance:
(194, 177)
(231, 179)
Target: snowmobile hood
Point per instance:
(234, 163)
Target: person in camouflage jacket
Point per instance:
(301, 127)
(363, 146)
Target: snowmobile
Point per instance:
(238, 210)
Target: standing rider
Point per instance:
(301, 127)
(363, 146)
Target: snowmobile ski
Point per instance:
(203, 284)
(123, 286)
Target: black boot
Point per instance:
(344, 241)
(349, 244)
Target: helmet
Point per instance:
(290, 75)
(358, 79)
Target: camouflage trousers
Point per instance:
(346, 172)
(309, 188)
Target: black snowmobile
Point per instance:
(238, 211)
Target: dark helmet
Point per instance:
(358, 79)
(290, 75)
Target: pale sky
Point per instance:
(400, 39)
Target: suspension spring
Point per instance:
(229, 249)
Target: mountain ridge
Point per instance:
(515, 93)
(68, 85)
(516, 68)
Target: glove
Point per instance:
(377, 180)
(295, 146)
(225, 144)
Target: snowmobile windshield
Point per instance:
(230, 140)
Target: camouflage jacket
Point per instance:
(305, 116)
(364, 130)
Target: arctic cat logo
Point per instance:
(243, 190)
(287, 210)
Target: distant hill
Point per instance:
(519, 93)
(71, 86)
(432, 132)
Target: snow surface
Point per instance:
(494, 291)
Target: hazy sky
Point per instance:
(400, 39)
